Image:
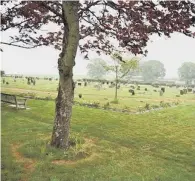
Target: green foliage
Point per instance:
(107, 105)
(147, 106)
(48, 97)
(115, 101)
(122, 66)
(187, 72)
(96, 104)
(151, 70)
(96, 69)
(165, 104)
(28, 94)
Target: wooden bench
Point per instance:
(11, 99)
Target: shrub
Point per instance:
(48, 98)
(31, 94)
(154, 106)
(176, 102)
(141, 109)
(161, 103)
(96, 104)
(115, 101)
(107, 105)
(126, 107)
(147, 106)
(164, 104)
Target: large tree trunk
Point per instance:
(64, 100)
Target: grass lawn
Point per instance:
(45, 88)
(156, 146)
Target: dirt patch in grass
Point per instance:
(88, 144)
(29, 164)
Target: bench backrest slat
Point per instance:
(8, 98)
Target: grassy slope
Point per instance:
(156, 146)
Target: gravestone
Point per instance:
(163, 89)
(189, 89)
(185, 91)
(132, 91)
(80, 95)
(161, 92)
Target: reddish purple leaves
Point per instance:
(129, 22)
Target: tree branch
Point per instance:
(51, 9)
(88, 7)
(14, 25)
(20, 46)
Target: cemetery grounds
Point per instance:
(157, 145)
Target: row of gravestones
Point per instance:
(50, 79)
(173, 85)
(4, 82)
(185, 91)
(31, 80)
(132, 91)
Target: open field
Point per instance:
(110, 146)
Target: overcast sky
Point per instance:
(43, 60)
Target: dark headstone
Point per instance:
(163, 89)
(189, 89)
(185, 91)
(80, 95)
(132, 91)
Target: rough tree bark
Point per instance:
(64, 100)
